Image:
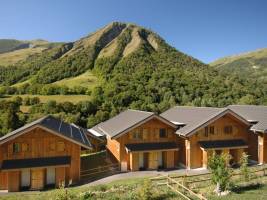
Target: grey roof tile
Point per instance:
(190, 117)
(253, 113)
(123, 121)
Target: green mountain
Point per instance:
(129, 66)
(252, 64)
(12, 51)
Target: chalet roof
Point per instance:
(189, 119)
(35, 162)
(96, 131)
(126, 121)
(151, 146)
(254, 114)
(68, 131)
(219, 144)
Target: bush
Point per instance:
(88, 196)
(244, 167)
(221, 173)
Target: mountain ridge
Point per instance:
(252, 64)
(124, 65)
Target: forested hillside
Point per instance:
(129, 67)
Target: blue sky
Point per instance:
(204, 29)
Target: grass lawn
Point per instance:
(131, 189)
(127, 189)
(57, 98)
(251, 192)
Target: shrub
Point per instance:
(244, 167)
(88, 196)
(221, 173)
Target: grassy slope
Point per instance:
(86, 79)
(130, 188)
(58, 98)
(9, 55)
(254, 54)
(249, 64)
(7, 45)
(13, 57)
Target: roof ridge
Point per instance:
(139, 111)
(198, 107)
(239, 105)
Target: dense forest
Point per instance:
(137, 69)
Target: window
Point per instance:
(162, 133)
(228, 129)
(25, 147)
(16, 147)
(206, 132)
(212, 130)
(137, 134)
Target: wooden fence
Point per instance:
(182, 190)
(180, 183)
(94, 172)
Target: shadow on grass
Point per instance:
(242, 189)
(164, 196)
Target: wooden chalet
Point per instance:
(206, 130)
(185, 136)
(141, 140)
(43, 153)
(257, 117)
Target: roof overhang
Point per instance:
(26, 130)
(59, 161)
(138, 124)
(94, 132)
(148, 147)
(213, 119)
(258, 130)
(223, 144)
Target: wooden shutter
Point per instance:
(60, 146)
(145, 133)
(170, 133)
(10, 149)
(130, 135)
(156, 133)
(25, 147)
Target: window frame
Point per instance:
(58, 145)
(165, 134)
(27, 145)
(137, 134)
(228, 130)
(16, 148)
(213, 130)
(206, 131)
